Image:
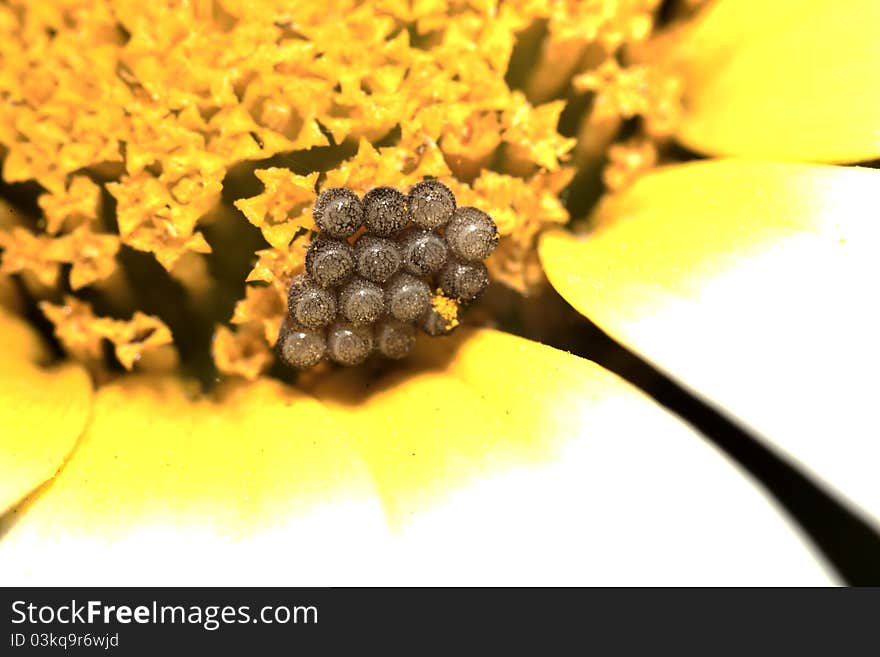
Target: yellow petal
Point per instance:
(161, 477)
(786, 79)
(752, 283)
(42, 411)
(488, 459)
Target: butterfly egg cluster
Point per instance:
(382, 267)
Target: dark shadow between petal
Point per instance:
(11, 515)
(844, 536)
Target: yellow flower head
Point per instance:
(144, 124)
(662, 167)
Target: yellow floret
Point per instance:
(145, 124)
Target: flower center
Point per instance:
(160, 166)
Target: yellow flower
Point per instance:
(175, 150)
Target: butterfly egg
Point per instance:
(471, 234)
(329, 262)
(424, 252)
(348, 344)
(361, 301)
(301, 347)
(385, 211)
(435, 324)
(338, 212)
(394, 339)
(298, 283)
(407, 297)
(312, 306)
(376, 258)
(464, 280)
(431, 204)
